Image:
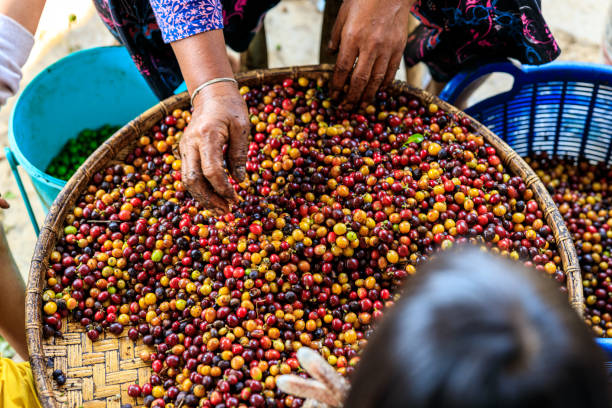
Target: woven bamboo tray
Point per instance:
(99, 373)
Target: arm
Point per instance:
(219, 117)
(12, 301)
(373, 33)
(18, 21)
(25, 12)
(194, 28)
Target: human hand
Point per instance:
(373, 32)
(326, 388)
(219, 117)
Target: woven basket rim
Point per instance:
(106, 152)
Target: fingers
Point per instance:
(194, 180)
(392, 68)
(237, 149)
(376, 78)
(318, 368)
(308, 389)
(334, 42)
(344, 65)
(360, 78)
(211, 156)
(310, 403)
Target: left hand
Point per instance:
(373, 32)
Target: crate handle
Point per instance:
(13, 163)
(461, 81)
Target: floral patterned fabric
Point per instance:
(134, 24)
(453, 35)
(459, 34)
(179, 19)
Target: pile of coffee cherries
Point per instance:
(337, 210)
(77, 150)
(583, 193)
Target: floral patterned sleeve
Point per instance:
(178, 19)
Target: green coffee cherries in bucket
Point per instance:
(85, 90)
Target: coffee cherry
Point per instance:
(76, 150)
(338, 208)
(583, 193)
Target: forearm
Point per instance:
(202, 57)
(25, 12)
(18, 22)
(12, 301)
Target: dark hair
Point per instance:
(474, 330)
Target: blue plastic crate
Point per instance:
(560, 108)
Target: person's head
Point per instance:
(474, 330)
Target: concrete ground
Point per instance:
(293, 30)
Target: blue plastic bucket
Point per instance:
(86, 89)
(560, 108)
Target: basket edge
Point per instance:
(120, 140)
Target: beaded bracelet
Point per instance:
(212, 81)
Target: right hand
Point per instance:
(326, 388)
(371, 36)
(219, 117)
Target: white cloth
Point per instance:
(15, 45)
